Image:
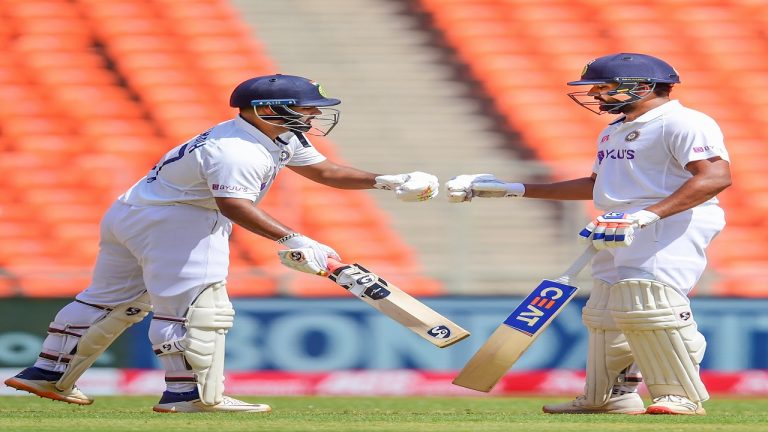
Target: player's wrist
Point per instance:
(515, 189)
(292, 240)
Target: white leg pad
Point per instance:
(100, 335)
(208, 319)
(609, 353)
(665, 340)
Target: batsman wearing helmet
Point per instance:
(658, 169)
(164, 245)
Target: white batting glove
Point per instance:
(305, 255)
(465, 187)
(415, 186)
(616, 229)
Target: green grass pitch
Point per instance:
(342, 414)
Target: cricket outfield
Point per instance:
(345, 414)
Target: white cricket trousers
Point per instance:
(171, 251)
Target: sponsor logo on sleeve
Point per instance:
(229, 188)
(702, 149)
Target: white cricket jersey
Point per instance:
(641, 162)
(232, 159)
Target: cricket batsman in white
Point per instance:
(658, 169)
(164, 245)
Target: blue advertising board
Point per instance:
(329, 334)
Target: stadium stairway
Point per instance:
(404, 109)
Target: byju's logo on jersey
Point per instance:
(229, 188)
(615, 154)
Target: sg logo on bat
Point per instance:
(439, 332)
(540, 306)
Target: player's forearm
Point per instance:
(349, 178)
(695, 191)
(247, 215)
(577, 189)
(337, 176)
(710, 177)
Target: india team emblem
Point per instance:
(320, 88)
(635, 134)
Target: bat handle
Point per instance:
(580, 263)
(332, 266)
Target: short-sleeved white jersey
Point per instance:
(232, 159)
(641, 162)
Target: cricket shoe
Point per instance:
(628, 403)
(674, 404)
(43, 383)
(189, 402)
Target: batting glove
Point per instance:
(415, 186)
(616, 229)
(305, 255)
(465, 187)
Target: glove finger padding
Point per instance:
(419, 187)
(459, 188)
(304, 260)
(610, 230)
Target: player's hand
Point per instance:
(465, 187)
(616, 229)
(306, 255)
(415, 186)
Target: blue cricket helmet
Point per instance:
(627, 67)
(280, 89)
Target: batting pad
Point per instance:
(100, 335)
(208, 319)
(659, 325)
(609, 352)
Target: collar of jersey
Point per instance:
(250, 129)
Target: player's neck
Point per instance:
(644, 107)
(272, 131)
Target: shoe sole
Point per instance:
(19, 385)
(596, 412)
(669, 411)
(176, 411)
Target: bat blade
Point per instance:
(513, 337)
(397, 304)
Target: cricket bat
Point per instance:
(510, 339)
(396, 304)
